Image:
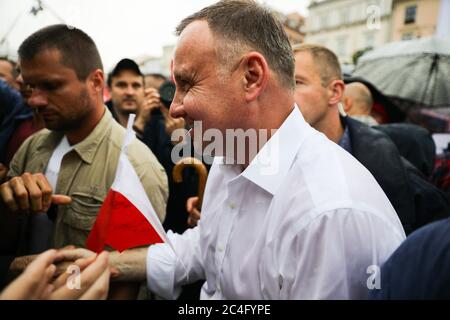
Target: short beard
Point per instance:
(76, 119)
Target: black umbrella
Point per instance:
(415, 73)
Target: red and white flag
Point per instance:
(126, 219)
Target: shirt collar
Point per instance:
(273, 161)
(87, 148)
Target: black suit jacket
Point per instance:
(416, 201)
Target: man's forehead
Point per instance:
(303, 56)
(196, 31)
(196, 37)
(45, 65)
(304, 62)
(49, 59)
(44, 55)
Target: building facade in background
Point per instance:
(346, 26)
(413, 19)
(161, 65)
(293, 25)
(349, 26)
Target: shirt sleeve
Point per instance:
(336, 255)
(168, 269)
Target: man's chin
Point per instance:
(129, 108)
(53, 126)
(60, 125)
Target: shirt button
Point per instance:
(220, 248)
(232, 205)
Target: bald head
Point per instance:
(358, 99)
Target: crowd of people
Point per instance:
(334, 194)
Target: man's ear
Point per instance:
(336, 92)
(256, 75)
(96, 81)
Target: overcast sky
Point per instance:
(120, 28)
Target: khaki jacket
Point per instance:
(87, 173)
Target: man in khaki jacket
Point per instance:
(69, 167)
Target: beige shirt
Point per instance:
(87, 172)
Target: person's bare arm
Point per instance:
(19, 264)
(131, 265)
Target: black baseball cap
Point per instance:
(124, 64)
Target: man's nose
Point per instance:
(37, 99)
(130, 90)
(177, 108)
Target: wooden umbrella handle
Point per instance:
(177, 174)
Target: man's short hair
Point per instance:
(78, 50)
(245, 25)
(122, 65)
(13, 64)
(325, 60)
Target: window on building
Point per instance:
(408, 36)
(410, 14)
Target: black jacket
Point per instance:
(414, 144)
(380, 156)
(416, 201)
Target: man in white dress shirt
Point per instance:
(300, 220)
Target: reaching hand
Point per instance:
(194, 214)
(93, 281)
(69, 255)
(36, 282)
(30, 192)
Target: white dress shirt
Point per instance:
(305, 220)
